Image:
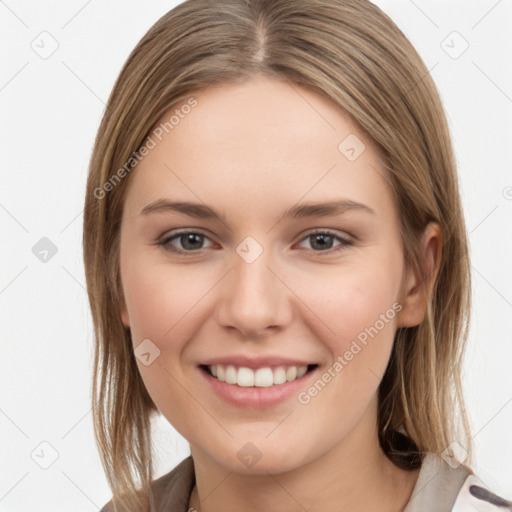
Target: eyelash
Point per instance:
(165, 242)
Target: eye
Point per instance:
(322, 241)
(190, 241)
(186, 242)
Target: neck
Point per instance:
(355, 475)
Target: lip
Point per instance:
(256, 397)
(256, 362)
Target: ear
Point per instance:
(417, 290)
(125, 317)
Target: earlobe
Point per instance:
(418, 289)
(125, 317)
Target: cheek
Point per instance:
(163, 304)
(359, 307)
(349, 301)
(161, 301)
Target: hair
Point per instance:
(353, 54)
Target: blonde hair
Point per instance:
(353, 54)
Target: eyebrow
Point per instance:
(203, 211)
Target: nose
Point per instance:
(254, 297)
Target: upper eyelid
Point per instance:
(179, 232)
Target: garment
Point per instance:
(439, 488)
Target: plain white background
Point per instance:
(51, 107)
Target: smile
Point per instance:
(261, 377)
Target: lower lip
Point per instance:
(256, 397)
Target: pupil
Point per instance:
(322, 239)
(190, 238)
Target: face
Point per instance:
(255, 284)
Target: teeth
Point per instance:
(245, 377)
(261, 378)
(230, 375)
(279, 375)
(291, 373)
(301, 370)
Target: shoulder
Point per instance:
(172, 490)
(447, 486)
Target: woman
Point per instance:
(277, 262)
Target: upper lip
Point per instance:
(255, 362)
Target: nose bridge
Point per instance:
(253, 297)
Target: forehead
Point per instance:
(257, 144)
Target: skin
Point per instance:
(250, 151)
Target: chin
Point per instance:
(258, 457)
